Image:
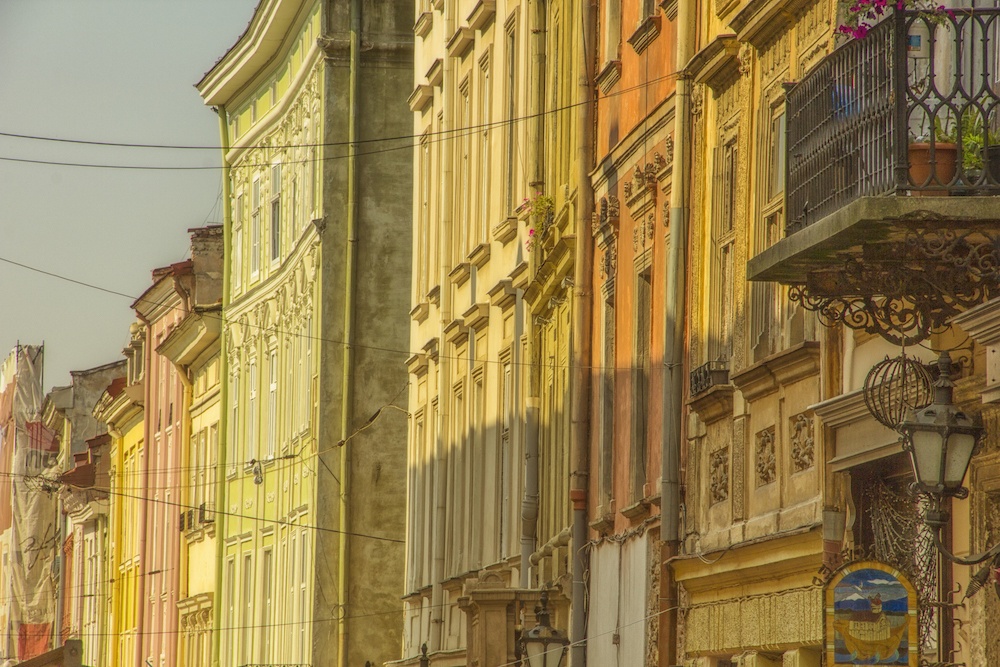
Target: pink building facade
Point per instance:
(160, 309)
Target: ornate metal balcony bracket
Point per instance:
(906, 290)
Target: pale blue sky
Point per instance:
(106, 70)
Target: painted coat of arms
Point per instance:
(871, 616)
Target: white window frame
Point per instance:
(275, 213)
(255, 230)
(272, 402)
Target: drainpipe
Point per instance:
(140, 600)
(582, 282)
(347, 394)
(536, 177)
(529, 501)
(436, 630)
(536, 79)
(220, 467)
(675, 311)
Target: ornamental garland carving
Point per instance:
(802, 443)
(718, 466)
(609, 260)
(766, 461)
(643, 232)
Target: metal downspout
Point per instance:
(220, 468)
(347, 394)
(140, 600)
(532, 403)
(444, 362)
(675, 292)
(582, 283)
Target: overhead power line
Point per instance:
(411, 139)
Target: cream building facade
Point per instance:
(495, 208)
(317, 279)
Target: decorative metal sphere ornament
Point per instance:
(895, 386)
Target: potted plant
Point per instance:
(933, 162)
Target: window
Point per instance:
(607, 405)
(272, 403)
(247, 602)
(485, 156)
(251, 444)
(423, 221)
(275, 212)
(255, 229)
(648, 8)
(612, 29)
(305, 617)
(229, 608)
(308, 403)
(766, 310)
(465, 171)
(640, 385)
(510, 127)
(234, 427)
(267, 607)
(723, 243)
(238, 243)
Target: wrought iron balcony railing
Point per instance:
(912, 109)
(709, 375)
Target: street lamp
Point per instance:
(543, 645)
(940, 440)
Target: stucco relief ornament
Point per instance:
(697, 100)
(614, 208)
(766, 463)
(803, 449)
(609, 261)
(719, 475)
(744, 59)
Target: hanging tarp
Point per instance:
(32, 452)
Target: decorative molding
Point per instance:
(669, 8)
(739, 459)
(482, 14)
(476, 316)
(610, 74)
(784, 618)
(503, 293)
(718, 476)
(716, 64)
(420, 311)
(460, 42)
(782, 368)
(714, 403)
(420, 97)
(435, 73)
(479, 255)
(803, 448)
(765, 457)
(642, 232)
(505, 231)
(641, 189)
(608, 265)
(456, 330)
(424, 23)
(460, 273)
(645, 33)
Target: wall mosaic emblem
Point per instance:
(871, 616)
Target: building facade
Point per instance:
(67, 412)
(192, 346)
(317, 279)
(632, 183)
(120, 408)
(495, 211)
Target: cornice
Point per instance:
(420, 97)
(716, 63)
(482, 14)
(265, 38)
(645, 33)
(423, 24)
(981, 322)
(460, 41)
(188, 340)
(609, 75)
(714, 403)
(782, 368)
(758, 21)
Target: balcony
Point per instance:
(892, 169)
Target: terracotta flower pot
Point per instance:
(923, 174)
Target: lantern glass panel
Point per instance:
(927, 446)
(960, 446)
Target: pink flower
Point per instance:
(531, 232)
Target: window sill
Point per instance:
(645, 33)
(609, 75)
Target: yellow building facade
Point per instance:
(496, 206)
(317, 274)
(755, 484)
(121, 409)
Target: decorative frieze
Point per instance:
(766, 460)
(739, 458)
(642, 233)
(802, 442)
(718, 466)
(786, 618)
